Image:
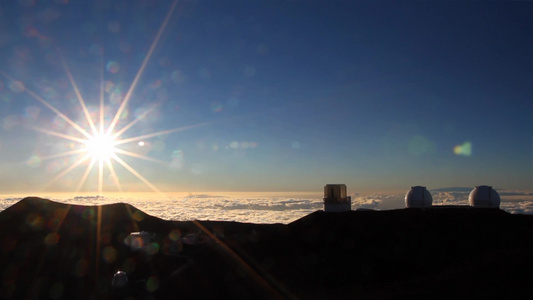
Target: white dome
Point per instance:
(484, 196)
(418, 196)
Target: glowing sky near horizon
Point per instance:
(267, 95)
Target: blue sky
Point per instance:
(269, 95)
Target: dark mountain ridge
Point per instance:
(51, 250)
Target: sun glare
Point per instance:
(101, 147)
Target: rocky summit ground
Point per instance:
(51, 250)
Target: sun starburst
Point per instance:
(99, 145)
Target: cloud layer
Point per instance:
(276, 209)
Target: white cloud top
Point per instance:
(269, 208)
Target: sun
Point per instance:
(101, 146)
(100, 142)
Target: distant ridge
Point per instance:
(41, 204)
(122, 215)
(453, 189)
(31, 203)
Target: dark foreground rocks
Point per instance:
(50, 250)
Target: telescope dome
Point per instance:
(484, 196)
(418, 196)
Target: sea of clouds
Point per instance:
(271, 207)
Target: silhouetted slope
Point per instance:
(46, 243)
(436, 253)
(54, 250)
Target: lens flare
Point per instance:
(464, 149)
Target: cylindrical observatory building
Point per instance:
(335, 198)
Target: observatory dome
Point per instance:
(484, 196)
(418, 196)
